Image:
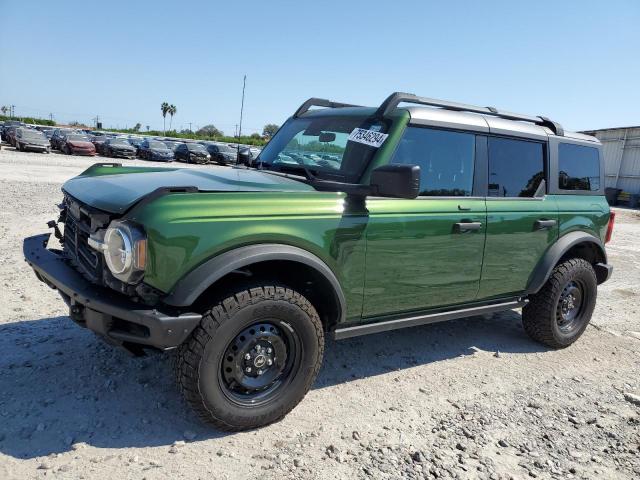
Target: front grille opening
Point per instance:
(77, 228)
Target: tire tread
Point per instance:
(191, 352)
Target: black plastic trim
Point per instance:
(192, 285)
(545, 266)
(98, 307)
(393, 100)
(319, 102)
(160, 192)
(423, 319)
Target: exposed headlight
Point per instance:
(124, 247)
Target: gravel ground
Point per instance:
(472, 398)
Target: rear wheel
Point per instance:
(559, 313)
(252, 359)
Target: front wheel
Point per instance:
(559, 313)
(252, 359)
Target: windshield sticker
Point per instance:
(368, 137)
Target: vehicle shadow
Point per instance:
(60, 385)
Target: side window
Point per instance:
(578, 167)
(446, 160)
(516, 167)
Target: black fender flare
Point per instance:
(194, 283)
(545, 266)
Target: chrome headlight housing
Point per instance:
(124, 247)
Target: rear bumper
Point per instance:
(108, 313)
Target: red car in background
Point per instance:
(75, 144)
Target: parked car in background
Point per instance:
(118, 147)
(171, 144)
(135, 142)
(192, 153)
(155, 150)
(221, 153)
(27, 139)
(57, 137)
(10, 134)
(77, 144)
(98, 142)
(7, 125)
(48, 133)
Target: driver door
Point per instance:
(427, 252)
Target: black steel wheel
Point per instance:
(257, 363)
(570, 306)
(252, 359)
(559, 313)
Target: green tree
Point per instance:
(172, 111)
(4, 109)
(256, 136)
(137, 127)
(270, 130)
(164, 107)
(210, 131)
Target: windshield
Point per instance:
(77, 138)
(224, 148)
(31, 134)
(157, 146)
(322, 145)
(195, 147)
(118, 141)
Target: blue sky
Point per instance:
(577, 62)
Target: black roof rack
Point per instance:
(320, 102)
(396, 98)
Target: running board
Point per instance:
(384, 326)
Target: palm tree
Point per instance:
(172, 111)
(165, 109)
(4, 110)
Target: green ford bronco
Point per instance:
(352, 220)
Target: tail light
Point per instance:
(612, 219)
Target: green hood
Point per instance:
(115, 189)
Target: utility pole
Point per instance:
(244, 84)
(235, 131)
(13, 111)
(190, 131)
(51, 117)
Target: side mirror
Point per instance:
(245, 157)
(396, 180)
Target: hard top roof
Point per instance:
(443, 113)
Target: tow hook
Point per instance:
(56, 231)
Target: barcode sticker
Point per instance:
(368, 137)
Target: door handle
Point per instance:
(467, 226)
(544, 224)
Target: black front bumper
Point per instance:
(108, 313)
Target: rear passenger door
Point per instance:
(427, 252)
(520, 224)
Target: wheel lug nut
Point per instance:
(247, 357)
(269, 362)
(259, 372)
(269, 350)
(248, 369)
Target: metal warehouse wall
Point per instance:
(621, 147)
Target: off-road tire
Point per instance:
(199, 359)
(540, 316)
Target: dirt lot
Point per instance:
(472, 398)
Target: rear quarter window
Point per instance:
(578, 167)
